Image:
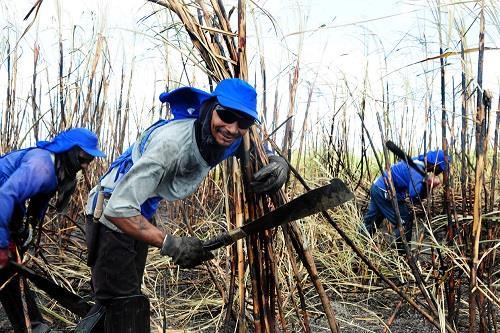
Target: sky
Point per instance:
(338, 44)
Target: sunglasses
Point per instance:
(230, 116)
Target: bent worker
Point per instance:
(408, 182)
(168, 161)
(34, 175)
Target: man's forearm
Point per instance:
(139, 228)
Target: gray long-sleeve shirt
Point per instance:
(170, 167)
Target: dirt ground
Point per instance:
(354, 316)
(372, 315)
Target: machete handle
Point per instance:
(403, 156)
(64, 297)
(223, 239)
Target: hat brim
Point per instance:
(233, 104)
(93, 152)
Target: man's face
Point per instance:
(84, 159)
(434, 169)
(228, 125)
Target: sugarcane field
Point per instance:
(178, 166)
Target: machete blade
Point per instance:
(312, 202)
(404, 157)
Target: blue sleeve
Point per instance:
(416, 187)
(31, 178)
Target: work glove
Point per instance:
(187, 252)
(271, 177)
(4, 257)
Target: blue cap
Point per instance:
(64, 141)
(231, 93)
(237, 94)
(436, 158)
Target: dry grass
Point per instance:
(194, 300)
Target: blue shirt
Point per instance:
(24, 174)
(407, 181)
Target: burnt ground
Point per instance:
(353, 317)
(361, 314)
(356, 313)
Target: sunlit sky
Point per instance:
(336, 41)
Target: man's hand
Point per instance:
(433, 182)
(271, 177)
(4, 257)
(186, 252)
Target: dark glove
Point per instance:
(271, 177)
(4, 257)
(186, 252)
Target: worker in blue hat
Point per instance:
(168, 161)
(30, 178)
(408, 182)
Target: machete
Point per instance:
(66, 298)
(312, 202)
(404, 157)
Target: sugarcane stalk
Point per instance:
(232, 252)
(480, 134)
(304, 123)
(288, 136)
(275, 112)
(485, 267)
(255, 263)
(255, 282)
(267, 292)
(305, 317)
(5, 118)
(22, 290)
(450, 232)
(118, 119)
(239, 256)
(61, 81)
(391, 319)
(93, 68)
(34, 106)
(223, 20)
(494, 163)
(279, 297)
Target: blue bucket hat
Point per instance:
(436, 158)
(231, 93)
(66, 140)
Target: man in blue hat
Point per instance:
(408, 182)
(31, 177)
(168, 161)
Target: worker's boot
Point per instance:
(93, 321)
